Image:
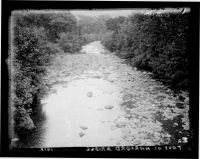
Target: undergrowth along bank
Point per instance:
(153, 42)
(36, 38)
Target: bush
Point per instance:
(70, 42)
(107, 41)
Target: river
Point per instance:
(95, 99)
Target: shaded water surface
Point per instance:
(95, 99)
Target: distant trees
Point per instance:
(70, 42)
(156, 42)
(36, 37)
(92, 28)
(61, 23)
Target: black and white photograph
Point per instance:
(101, 79)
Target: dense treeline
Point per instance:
(37, 37)
(154, 42)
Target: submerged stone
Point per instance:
(84, 127)
(81, 134)
(89, 94)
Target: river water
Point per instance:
(95, 99)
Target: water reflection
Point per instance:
(82, 114)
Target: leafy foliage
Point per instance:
(34, 43)
(70, 42)
(156, 43)
(92, 28)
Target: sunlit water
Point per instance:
(82, 103)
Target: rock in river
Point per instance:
(181, 98)
(137, 142)
(89, 94)
(120, 124)
(127, 97)
(129, 104)
(81, 134)
(108, 107)
(180, 105)
(84, 127)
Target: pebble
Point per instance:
(137, 142)
(184, 139)
(175, 124)
(127, 116)
(129, 104)
(156, 140)
(127, 97)
(120, 125)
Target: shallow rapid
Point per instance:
(95, 99)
